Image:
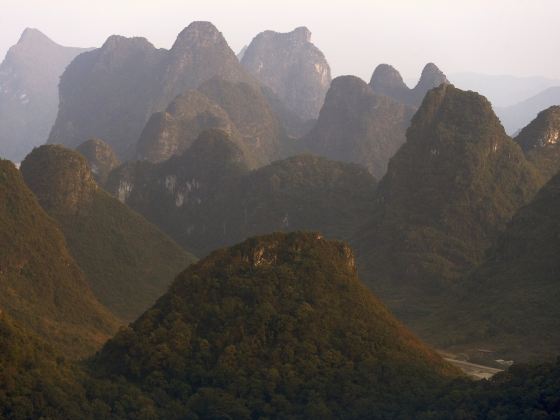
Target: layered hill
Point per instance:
(357, 125)
(448, 193)
(516, 315)
(29, 78)
(386, 80)
(42, 287)
(292, 67)
(515, 117)
(540, 141)
(111, 92)
(277, 326)
(101, 158)
(128, 262)
(240, 109)
(207, 197)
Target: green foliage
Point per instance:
(277, 326)
(41, 286)
(128, 262)
(36, 382)
(448, 193)
(540, 141)
(207, 198)
(517, 315)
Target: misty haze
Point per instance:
(310, 210)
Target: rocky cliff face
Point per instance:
(111, 92)
(207, 197)
(239, 109)
(540, 141)
(101, 158)
(292, 67)
(357, 125)
(386, 80)
(29, 78)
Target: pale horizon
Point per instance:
(501, 38)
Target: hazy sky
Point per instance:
(519, 37)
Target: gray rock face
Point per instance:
(101, 158)
(207, 197)
(356, 125)
(292, 67)
(111, 92)
(29, 78)
(386, 80)
(239, 109)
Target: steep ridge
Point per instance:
(128, 262)
(386, 80)
(29, 92)
(356, 125)
(285, 313)
(540, 141)
(292, 67)
(42, 287)
(207, 197)
(111, 92)
(516, 315)
(101, 158)
(449, 191)
(240, 109)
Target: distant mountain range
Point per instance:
(29, 77)
(503, 90)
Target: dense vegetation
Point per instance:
(35, 381)
(517, 315)
(128, 262)
(41, 286)
(540, 141)
(448, 193)
(207, 198)
(276, 326)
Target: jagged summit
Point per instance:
(34, 36)
(292, 67)
(386, 75)
(111, 92)
(29, 77)
(198, 33)
(357, 125)
(432, 76)
(386, 80)
(119, 42)
(448, 193)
